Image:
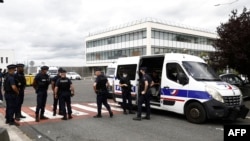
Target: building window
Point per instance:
(109, 41)
(144, 34)
(7, 60)
(1, 59)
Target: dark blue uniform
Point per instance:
(102, 95)
(20, 83)
(55, 100)
(10, 97)
(42, 83)
(144, 98)
(64, 95)
(126, 95)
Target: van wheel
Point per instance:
(195, 113)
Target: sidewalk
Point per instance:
(15, 134)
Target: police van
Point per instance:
(110, 74)
(188, 87)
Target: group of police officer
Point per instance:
(62, 88)
(14, 86)
(100, 87)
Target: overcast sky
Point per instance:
(53, 31)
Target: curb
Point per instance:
(15, 134)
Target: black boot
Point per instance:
(43, 117)
(21, 116)
(70, 116)
(64, 117)
(54, 113)
(97, 116)
(111, 114)
(37, 118)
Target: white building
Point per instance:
(145, 37)
(7, 56)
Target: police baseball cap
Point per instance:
(63, 71)
(20, 65)
(44, 68)
(98, 69)
(11, 66)
(60, 69)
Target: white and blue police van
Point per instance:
(110, 74)
(188, 87)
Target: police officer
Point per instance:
(11, 93)
(144, 95)
(41, 83)
(21, 84)
(64, 90)
(1, 81)
(126, 93)
(55, 100)
(100, 88)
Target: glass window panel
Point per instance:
(127, 37)
(131, 36)
(161, 35)
(144, 34)
(140, 35)
(152, 34)
(136, 36)
(157, 35)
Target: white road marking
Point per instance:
(112, 108)
(87, 108)
(27, 119)
(48, 113)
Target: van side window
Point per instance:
(174, 70)
(130, 69)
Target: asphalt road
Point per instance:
(163, 126)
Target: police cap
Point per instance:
(63, 71)
(143, 68)
(60, 69)
(44, 68)
(20, 65)
(11, 66)
(98, 69)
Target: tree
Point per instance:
(233, 44)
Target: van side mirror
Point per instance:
(182, 79)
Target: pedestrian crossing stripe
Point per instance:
(78, 110)
(75, 112)
(112, 108)
(87, 108)
(28, 117)
(47, 113)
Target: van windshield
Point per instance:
(110, 72)
(52, 71)
(200, 71)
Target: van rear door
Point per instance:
(130, 65)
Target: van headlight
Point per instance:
(214, 93)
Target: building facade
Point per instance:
(7, 56)
(145, 37)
